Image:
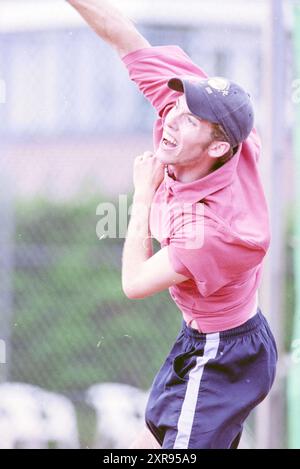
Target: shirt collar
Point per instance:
(200, 189)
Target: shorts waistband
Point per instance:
(245, 328)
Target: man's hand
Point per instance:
(148, 173)
(111, 25)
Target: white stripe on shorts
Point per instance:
(186, 418)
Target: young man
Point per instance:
(201, 196)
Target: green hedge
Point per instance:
(72, 324)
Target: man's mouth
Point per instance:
(168, 141)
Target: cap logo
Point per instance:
(219, 84)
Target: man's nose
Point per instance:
(171, 121)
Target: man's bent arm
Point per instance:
(111, 25)
(138, 244)
(144, 274)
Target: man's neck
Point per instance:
(188, 174)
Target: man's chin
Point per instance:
(163, 156)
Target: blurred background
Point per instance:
(76, 357)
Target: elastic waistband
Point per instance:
(249, 326)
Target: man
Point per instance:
(201, 196)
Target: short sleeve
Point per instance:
(218, 260)
(152, 67)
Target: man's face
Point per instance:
(185, 136)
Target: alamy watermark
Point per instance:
(183, 222)
(2, 91)
(2, 351)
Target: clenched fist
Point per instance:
(148, 173)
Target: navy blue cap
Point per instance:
(219, 101)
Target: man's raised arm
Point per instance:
(111, 25)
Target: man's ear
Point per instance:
(218, 149)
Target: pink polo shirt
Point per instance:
(216, 228)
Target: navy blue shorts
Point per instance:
(209, 383)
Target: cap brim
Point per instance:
(176, 84)
(196, 98)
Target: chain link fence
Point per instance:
(72, 326)
(70, 125)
